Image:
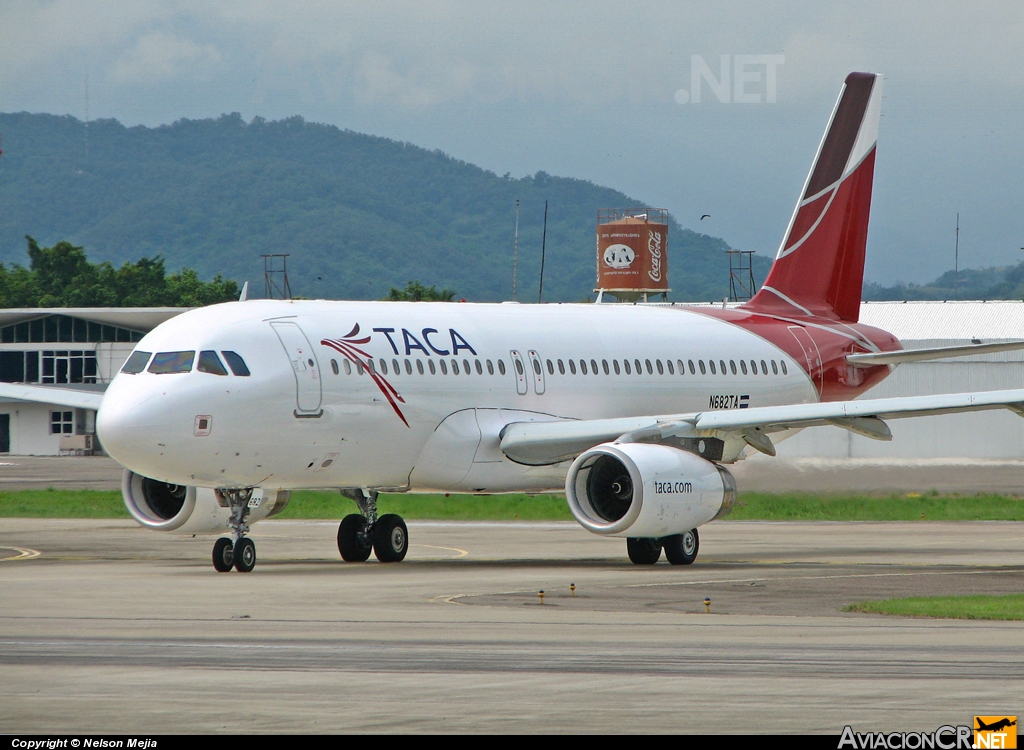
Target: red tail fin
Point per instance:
(819, 269)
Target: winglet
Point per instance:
(245, 292)
(819, 269)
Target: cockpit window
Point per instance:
(167, 362)
(237, 364)
(137, 362)
(210, 362)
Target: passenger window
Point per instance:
(501, 366)
(593, 366)
(764, 367)
(615, 364)
(702, 370)
(408, 367)
(743, 367)
(536, 367)
(334, 366)
(210, 362)
(490, 367)
(639, 369)
(692, 370)
(455, 367)
(625, 366)
(583, 366)
(370, 366)
(572, 366)
(650, 369)
(660, 370)
(466, 367)
(775, 368)
(433, 370)
(783, 363)
(395, 367)
(561, 367)
(383, 367)
(348, 367)
(237, 364)
(732, 366)
(479, 368)
(721, 364)
(604, 366)
(711, 364)
(419, 366)
(359, 366)
(519, 367)
(753, 367)
(551, 367)
(679, 364)
(137, 362)
(165, 363)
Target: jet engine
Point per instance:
(191, 510)
(646, 490)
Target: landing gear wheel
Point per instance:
(223, 555)
(353, 542)
(681, 549)
(245, 555)
(390, 538)
(643, 551)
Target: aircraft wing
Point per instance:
(540, 443)
(48, 394)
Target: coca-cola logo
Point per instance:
(654, 249)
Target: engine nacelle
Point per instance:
(190, 510)
(646, 490)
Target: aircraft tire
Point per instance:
(244, 554)
(681, 549)
(390, 538)
(223, 555)
(643, 551)
(350, 539)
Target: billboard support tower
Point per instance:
(741, 275)
(275, 277)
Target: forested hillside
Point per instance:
(359, 214)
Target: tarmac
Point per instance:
(105, 627)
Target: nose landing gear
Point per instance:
(239, 554)
(358, 534)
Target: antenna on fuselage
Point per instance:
(245, 292)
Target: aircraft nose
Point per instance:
(129, 424)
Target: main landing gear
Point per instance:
(359, 533)
(680, 549)
(239, 553)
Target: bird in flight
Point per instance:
(705, 216)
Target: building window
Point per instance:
(68, 367)
(65, 329)
(62, 422)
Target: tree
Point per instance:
(62, 276)
(416, 292)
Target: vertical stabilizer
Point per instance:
(819, 269)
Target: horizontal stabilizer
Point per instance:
(938, 352)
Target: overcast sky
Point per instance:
(598, 90)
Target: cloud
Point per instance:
(161, 57)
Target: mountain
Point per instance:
(357, 213)
(998, 282)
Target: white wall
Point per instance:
(30, 428)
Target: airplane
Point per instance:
(995, 726)
(634, 411)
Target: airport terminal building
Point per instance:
(78, 348)
(85, 347)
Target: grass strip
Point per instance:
(1006, 607)
(305, 504)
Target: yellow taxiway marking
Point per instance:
(23, 554)
(461, 552)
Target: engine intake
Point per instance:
(190, 510)
(645, 490)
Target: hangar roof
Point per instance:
(998, 319)
(136, 318)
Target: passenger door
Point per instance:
(308, 387)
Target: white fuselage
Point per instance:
(295, 423)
